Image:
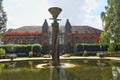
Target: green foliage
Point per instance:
(2, 51)
(87, 47)
(25, 49)
(3, 19)
(16, 47)
(68, 49)
(66, 55)
(111, 22)
(10, 47)
(12, 56)
(45, 49)
(30, 63)
(30, 54)
(105, 37)
(85, 61)
(46, 56)
(85, 53)
(2, 66)
(77, 47)
(111, 48)
(36, 48)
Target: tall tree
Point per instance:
(111, 22)
(3, 19)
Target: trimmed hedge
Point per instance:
(90, 47)
(36, 48)
(21, 50)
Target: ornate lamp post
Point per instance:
(55, 11)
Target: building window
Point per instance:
(61, 38)
(19, 40)
(92, 40)
(84, 40)
(11, 40)
(28, 40)
(50, 38)
(77, 40)
(37, 39)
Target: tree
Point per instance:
(111, 22)
(3, 19)
(103, 17)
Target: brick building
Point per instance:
(68, 35)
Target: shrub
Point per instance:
(66, 55)
(100, 54)
(12, 56)
(45, 49)
(10, 47)
(2, 51)
(111, 48)
(85, 53)
(30, 54)
(46, 56)
(37, 49)
(68, 49)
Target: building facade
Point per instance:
(68, 35)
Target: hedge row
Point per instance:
(94, 47)
(21, 49)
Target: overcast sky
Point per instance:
(34, 12)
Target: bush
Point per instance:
(46, 56)
(45, 49)
(100, 54)
(66, 55)
(2, 51)
(12, 56)
(37, 49)
(85, 53)
(111, 48)
(10, 47)
(68, 49)
(30, 54)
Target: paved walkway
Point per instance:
(63, 58)
(113, 58)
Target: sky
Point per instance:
(34, 12)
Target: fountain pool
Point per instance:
(80, 70)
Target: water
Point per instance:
(83, 70)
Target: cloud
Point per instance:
(26, 12)
(33, 12)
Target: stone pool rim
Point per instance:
(61, 58)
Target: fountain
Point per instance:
(55, 11)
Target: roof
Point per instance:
(27, 29)
(22, 33)
(75, 29)
(85, 29)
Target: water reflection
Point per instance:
(98, 70)
(31, 64)
(115, 72)
(62, 74)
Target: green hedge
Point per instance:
(36, 48)
(90, 47)
(17, 48)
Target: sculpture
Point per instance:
(55, 11)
